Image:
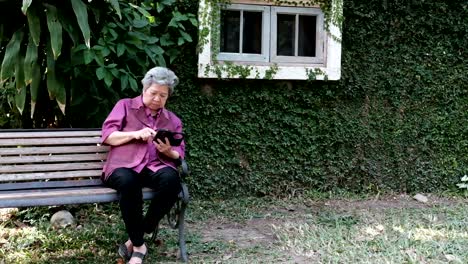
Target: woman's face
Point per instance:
(155, 96)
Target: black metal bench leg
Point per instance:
(182, 246)
(155, 234)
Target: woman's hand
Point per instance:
(166, 148)
(145, 134)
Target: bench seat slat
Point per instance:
(49, 184)
(53, 150)
(38, 176)
(49, 141)
(50, 133)
(53, 158)
(63, 197)
(50, 167)
(38, 194)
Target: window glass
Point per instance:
(252, 37)
(230, 31)
(307, 36)
(285, 34)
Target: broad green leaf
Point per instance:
(11, 55)
(152, 40)
(29, 61)
(20, 99)
(186, 36)
(141, 10)
(124, 82)
(115, 5)
(99, 58)
(82, 17)
(161, 61)
(26, 4)
(108, 78)
(140, 23)
(133, 83)
(168, 2)
(55, 29)
(159, 7)
(34, 24)
(120, 49)
(19, 72)
(35, 84)
(156, 49)
(194, 22)
(180, 41)
(101, 73)
(138, 35)
(88, 56)
(69, 27)
(20, 96)
(55, 87)
(165, 40)
(115, 72)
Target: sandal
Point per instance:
(139, 255)
(123, 252)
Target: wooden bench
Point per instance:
(60, 167)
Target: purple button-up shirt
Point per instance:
(130, 115)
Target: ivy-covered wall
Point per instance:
(397, 120)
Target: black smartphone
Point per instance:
(175, 138)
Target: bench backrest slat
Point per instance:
(48, 141)
(52, 150)
(50, 175)
(53, 158)
(50, 134)
(50, 167)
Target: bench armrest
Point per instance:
(184, 169)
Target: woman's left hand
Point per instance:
(163, 147)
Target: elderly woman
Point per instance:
(136, 161)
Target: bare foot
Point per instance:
(129, 246)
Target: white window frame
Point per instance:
(249, 57)
(210, 67)
(319, 42)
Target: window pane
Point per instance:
(307, 36)
(285, 34)
(252, 39)
(230, 31)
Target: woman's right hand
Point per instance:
(145, 134)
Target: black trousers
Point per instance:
(129, 184)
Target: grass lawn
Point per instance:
(313, 229)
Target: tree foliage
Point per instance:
(74, 54)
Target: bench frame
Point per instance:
(47, 167)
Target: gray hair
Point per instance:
(161, 76)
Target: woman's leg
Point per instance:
(166, 183)
(128, 185)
